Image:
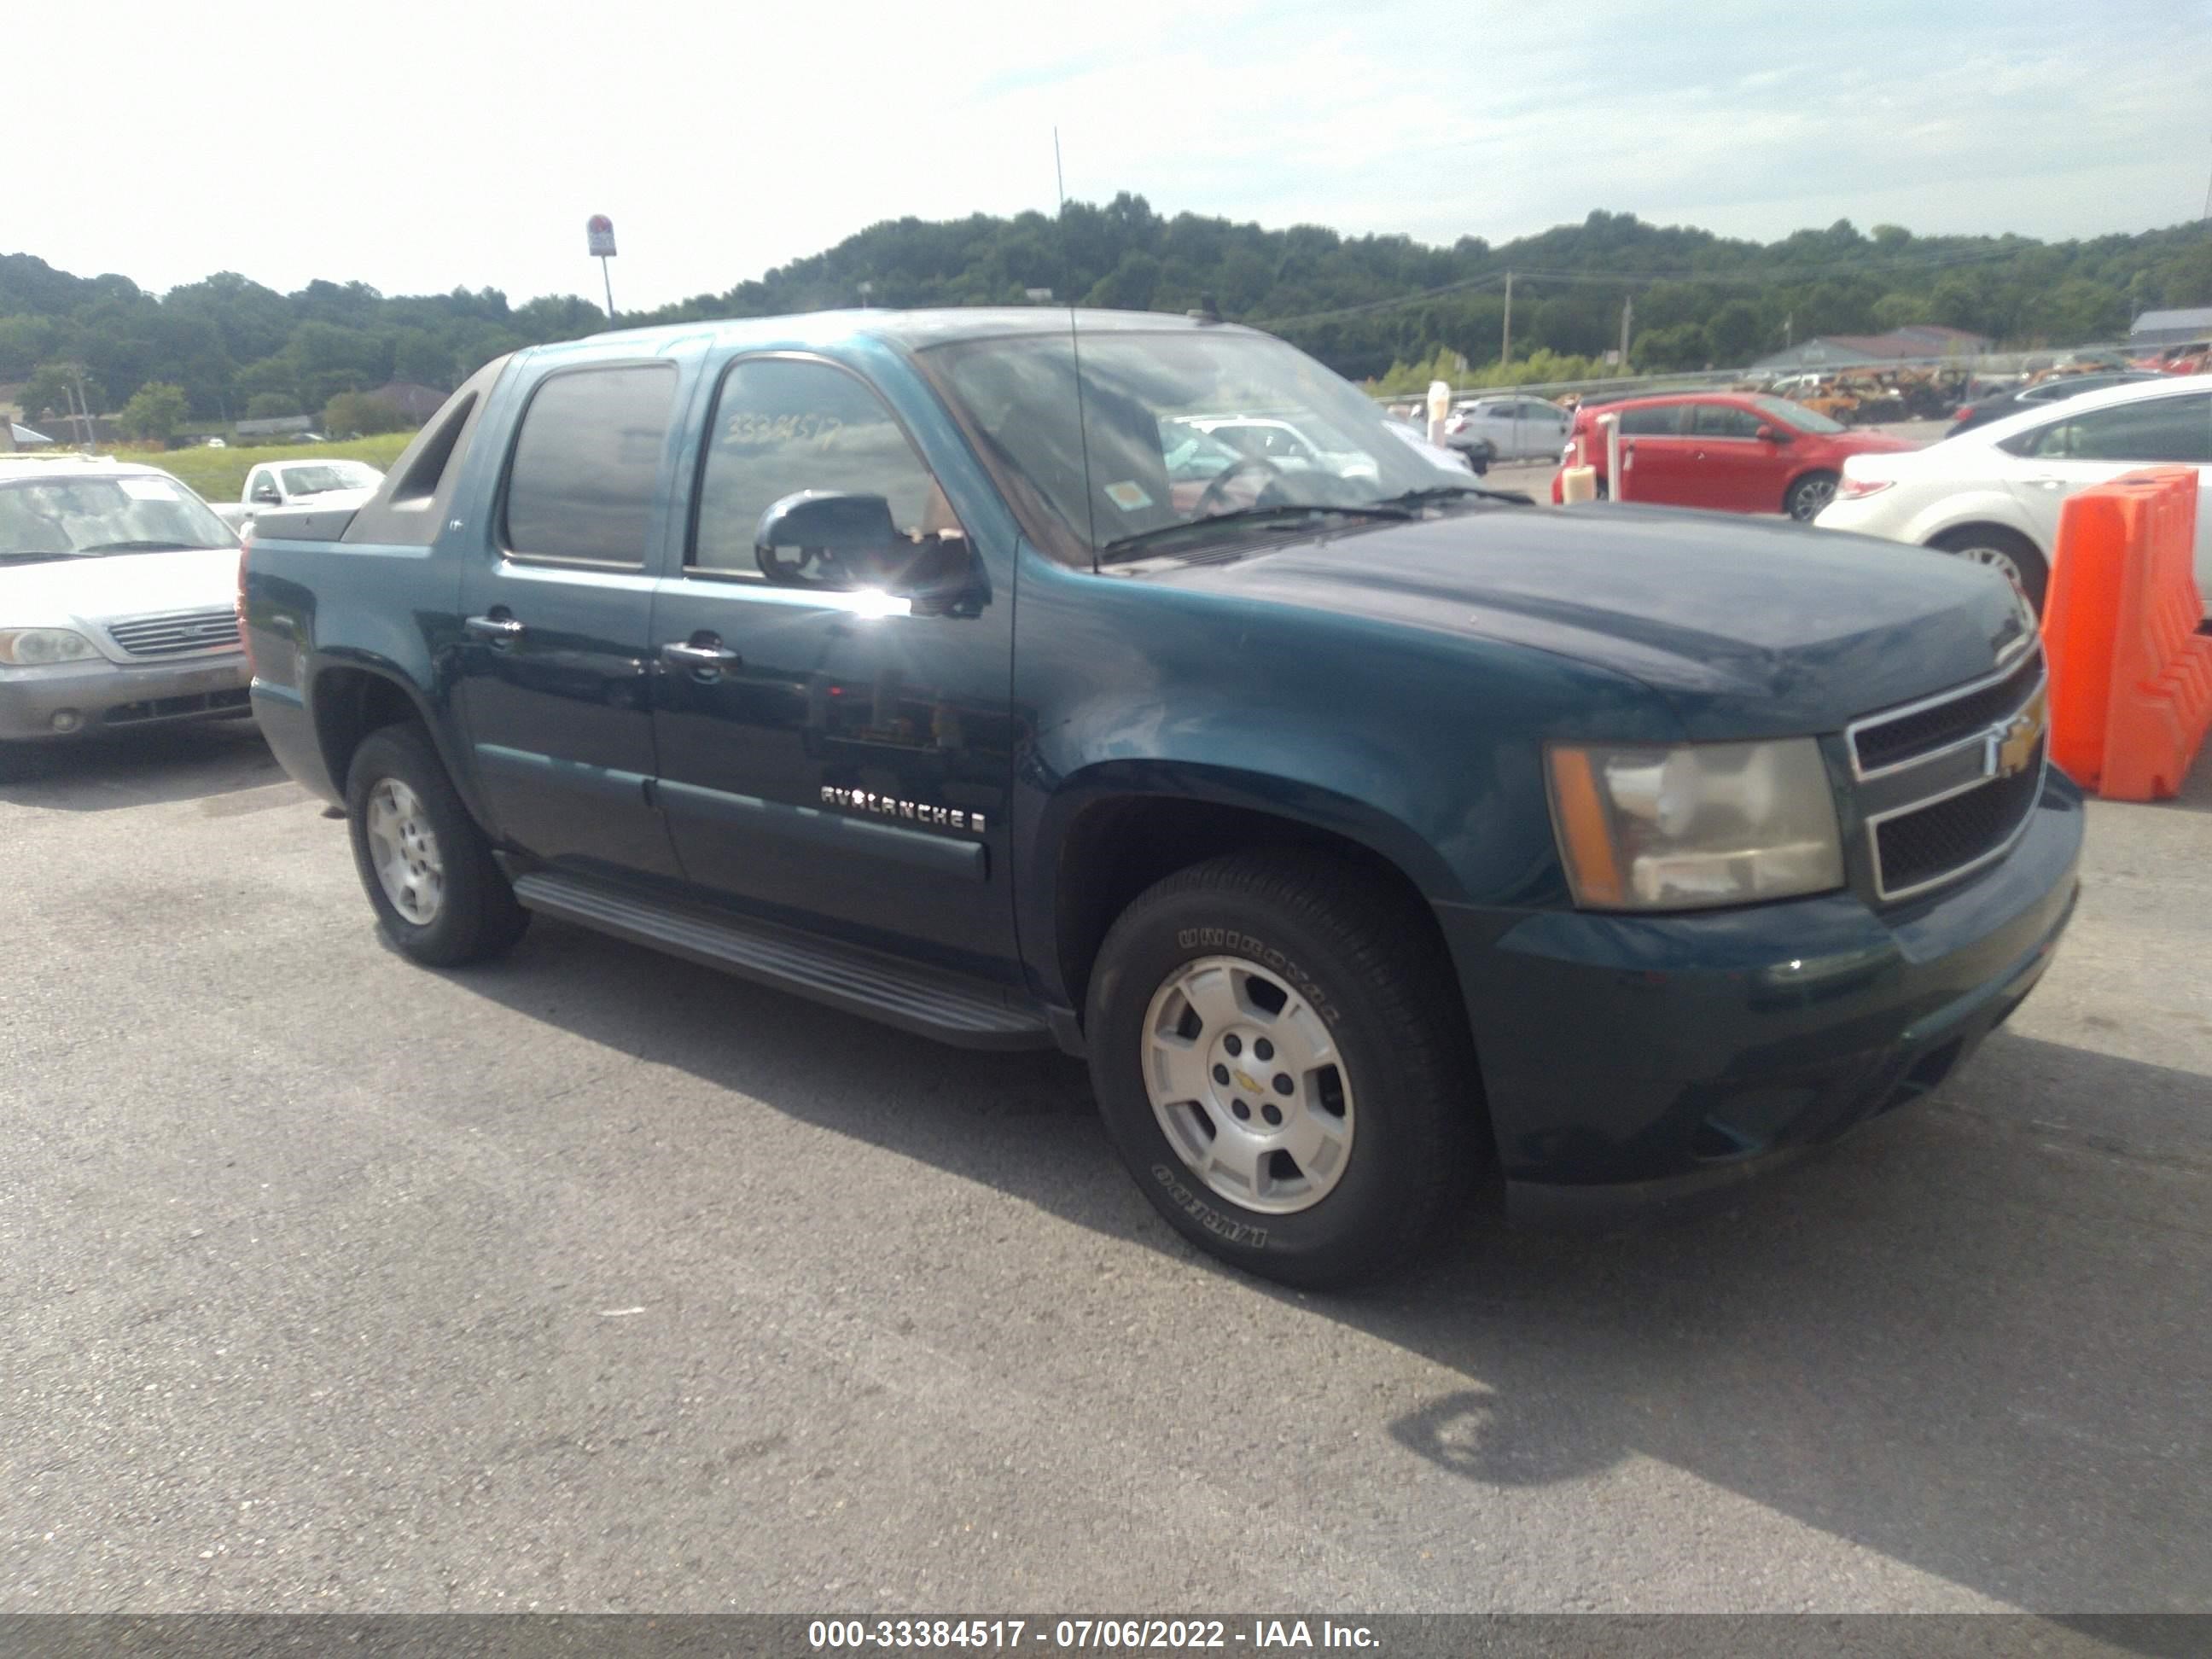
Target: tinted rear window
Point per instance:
(1664, 421)
(587, 462)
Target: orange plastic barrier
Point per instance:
(2130, 677)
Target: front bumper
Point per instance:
(80, 699)
(1632, 1061)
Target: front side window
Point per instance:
(1796, 415)
(785, 425)
(587, 464)
(2170, 429)
(1723, 421)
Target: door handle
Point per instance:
(496, 628)
(2046, 481)
(696, 654)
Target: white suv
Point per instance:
(1992, 494)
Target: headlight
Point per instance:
(31, 647)
(1678, 829)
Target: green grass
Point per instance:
(220, 474)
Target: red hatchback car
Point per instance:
(1735, 452)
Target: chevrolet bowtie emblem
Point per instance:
(1246, 1081)
(2012, 745)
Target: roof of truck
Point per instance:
(912, 329)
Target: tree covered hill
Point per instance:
(1360, 303)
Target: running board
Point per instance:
(948, 1009)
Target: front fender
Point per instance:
(1424, 747)
(1304, 802)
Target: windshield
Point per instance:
(1175, 428)
(81, 517)
(1796, 415)
(326, 475)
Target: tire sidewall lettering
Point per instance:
(1236, 941)
(1221, 1226)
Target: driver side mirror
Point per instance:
(1773, 435)
(267, 495)
(828, 539)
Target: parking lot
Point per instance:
(1533, 478)
(594, 1281)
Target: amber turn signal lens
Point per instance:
(1585, 830)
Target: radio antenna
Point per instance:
(1075, 356)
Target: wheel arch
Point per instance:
(1970, 511)
(351, 696)
(1816, 469)
(1124, 828)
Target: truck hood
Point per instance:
(87, 594)
(1747, 629)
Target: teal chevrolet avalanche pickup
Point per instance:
(1370, 833)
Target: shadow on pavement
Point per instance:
(1971, 1339)
(138, 768)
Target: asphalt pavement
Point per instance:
(594, 1281)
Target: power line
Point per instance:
(1383, 304)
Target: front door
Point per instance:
(839, 760)
(2091, 446)
(553, 684)
(1736, 468)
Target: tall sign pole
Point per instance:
(599, 237)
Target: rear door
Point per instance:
(1733, 468)
(837, 760)
(553, 679)
(1540, 429)
(2075, 451)
(1655, 453)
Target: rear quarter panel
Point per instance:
(314, 607)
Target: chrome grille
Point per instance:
(1886, 740)
(1947, 784)
(177, 636)
(1918, 849)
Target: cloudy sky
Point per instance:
(421, 146)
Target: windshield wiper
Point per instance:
(1283, 512)
(1412, 500)
(139, 547)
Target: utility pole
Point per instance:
(1505, 340)
(1627, 310)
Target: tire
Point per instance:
(401, 805)
(1805, 497)
(1288, 947)
(2003, 550)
